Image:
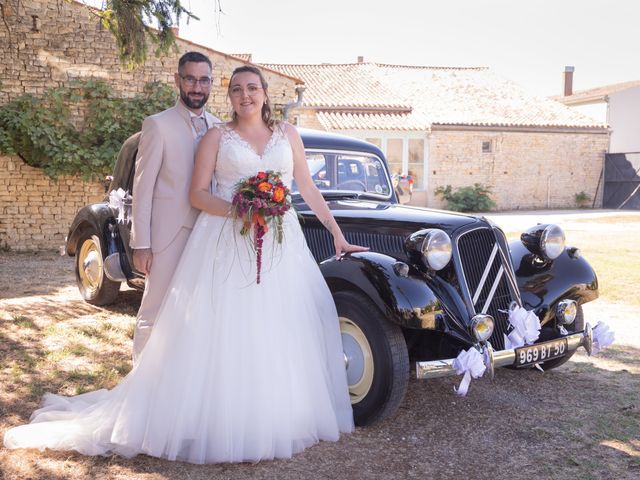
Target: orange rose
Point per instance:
(278, 194)
(264, 186)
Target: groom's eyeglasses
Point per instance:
(237, 90)
(191, 81)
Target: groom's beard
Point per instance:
(193, 99)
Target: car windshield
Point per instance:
(362, 173)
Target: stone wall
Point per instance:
(71, 44)
(66, 42)
(526, 169)
(305, 118)
(36, 211)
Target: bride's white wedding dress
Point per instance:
(234, 370)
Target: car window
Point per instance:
(350, 172)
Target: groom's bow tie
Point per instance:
(200, 126)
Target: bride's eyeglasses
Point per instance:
(237, 90)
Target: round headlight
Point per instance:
(566, 312)
(552, 242)
(436, 249)
(482, 326)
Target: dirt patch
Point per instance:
(579, 421)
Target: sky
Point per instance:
(529, 42)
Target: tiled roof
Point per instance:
(346, 85)
(393, 97)
(244, 56)
(595, 95)
(370, 121)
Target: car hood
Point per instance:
(389, 218)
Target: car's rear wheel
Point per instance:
(92, 282)
(578, 325)
(376, 358)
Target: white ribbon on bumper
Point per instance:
(526, 328)
(120, 201)
(602, 337)
(471, 364)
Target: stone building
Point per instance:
(48, 43)
(459, 126)
(621, 102)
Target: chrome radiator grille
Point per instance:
(320, 242)
(485, 275)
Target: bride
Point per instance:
(235, 370)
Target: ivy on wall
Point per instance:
(77, 129)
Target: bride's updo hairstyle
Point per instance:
(267, 117)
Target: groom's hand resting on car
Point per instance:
(142, 259)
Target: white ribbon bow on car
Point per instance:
(526, 328)
(471, 364)
(602, 337)
(120, 201)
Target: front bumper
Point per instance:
(500, 358)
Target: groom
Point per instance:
(162, 215)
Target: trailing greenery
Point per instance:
(468, 199)
(77, 129)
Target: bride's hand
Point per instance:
(342, 246)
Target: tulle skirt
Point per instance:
(233, 371)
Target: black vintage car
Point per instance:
(433, 284)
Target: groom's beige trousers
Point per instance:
(163, 266)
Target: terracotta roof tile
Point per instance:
(595, 95)
(370, 121)
(383, 96)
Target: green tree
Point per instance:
(130, 23)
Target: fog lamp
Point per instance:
(566, 312)
(482, 326)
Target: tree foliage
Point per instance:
(130, 23)
(77, 129)
(467, 199)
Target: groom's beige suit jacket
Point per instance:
(162, 178)
(162, 215)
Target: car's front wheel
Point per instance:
(376, 358)
(92, 282)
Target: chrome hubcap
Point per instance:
(90, 261)
(358, 359)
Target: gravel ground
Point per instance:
(579, 421)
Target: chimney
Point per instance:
(176, 31)
(568, 81)
(360, 59)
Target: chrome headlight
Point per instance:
(482, 326)
(546, 241)
(566, 312)
(430, 246)
(436, 249)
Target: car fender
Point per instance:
(93, 218)
(543, 283)
(409, 301)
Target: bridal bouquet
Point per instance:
(260, 201)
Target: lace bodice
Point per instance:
(237, 160)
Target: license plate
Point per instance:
(540, 352)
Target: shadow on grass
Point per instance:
(572, 422)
